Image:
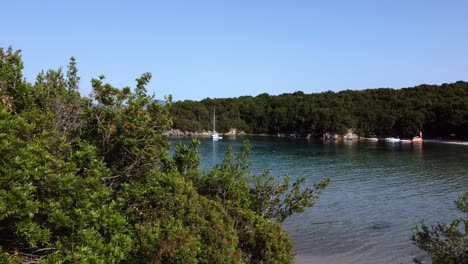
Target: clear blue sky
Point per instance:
(198, 49)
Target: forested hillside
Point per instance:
(89, 180)
(440, 111)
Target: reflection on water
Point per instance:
(215, 146)
(378, 192)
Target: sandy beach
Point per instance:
(453, 142)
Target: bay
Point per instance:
(378, 192)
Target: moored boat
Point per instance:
(392, 139)
(418, 138)
(215, 135)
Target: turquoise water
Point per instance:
(379, 191)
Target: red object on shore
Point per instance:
(417, 139)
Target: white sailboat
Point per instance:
(215, 135)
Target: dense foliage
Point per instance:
(445, 243)
(89, 180)
(440, 111)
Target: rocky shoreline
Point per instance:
(350, 135)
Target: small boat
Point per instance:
(215, 136)
(392, 139)
(418, 138)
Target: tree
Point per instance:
(54, 207)
(127, 127)
(410, 124)
(276, 199)
(14, 92)
(445, 243)
(186, 160)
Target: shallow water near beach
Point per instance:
(378, 192)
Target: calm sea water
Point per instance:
(378, 192)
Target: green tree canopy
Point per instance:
(438, 110)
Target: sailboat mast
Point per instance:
(215, 135)
(214, 120)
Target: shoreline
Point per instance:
(175, 133)
(451, 142)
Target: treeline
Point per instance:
(440, 111)
(89, 180)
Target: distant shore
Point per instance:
(178, 133)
